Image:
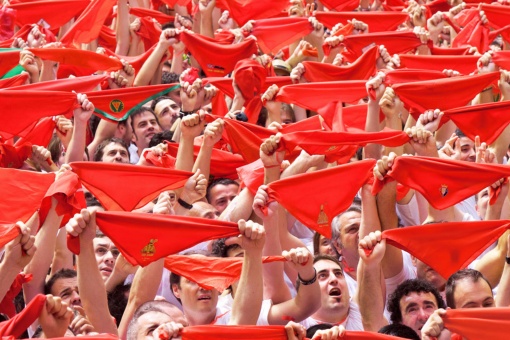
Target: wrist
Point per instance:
(308, 280)
(185, 203)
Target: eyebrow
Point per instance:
(411, 305)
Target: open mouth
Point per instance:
(335, 292)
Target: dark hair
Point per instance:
(219, 249)
(218, 181)
(55, 148)
(459, 133)
(176, 279)
(140, 111)
(98, 154)
(169, 77)
(161, 137)
(61, 274)
(407, 287)
(400, 330)
(157, 100)
(472, 274)
(320, 257)
(310, 332)
(117, 301)
(316, 244)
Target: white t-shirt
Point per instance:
(351, 323)
(224, 311)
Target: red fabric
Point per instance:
(501, 58)
(437, 6)
(7, 305)
(141, 12)
(395, 42)
(8, 232)
(314, 96)
(225, 57)
(447, 51)
(340, 5)
(335, 145)
(116, 104)
(107, 38)
(21, 193)
(223, 164)
(41, 134)
(446, 179)
(376, 21)
(55, 13)
(210, 272)
(411, 75)
(362, 69)
(17, 325)
(450, 246)
(78, 85)
(486, 120)
(250, 76)
(137, 61)
(18, 80)
(437, 94)
(225, 84)
(79, 58)
(149, 32)
(496, 15)
(132, 233)
(109, 183)
(252, 176)
(14, 157)
(8, 59)
(243, 11)
(13, 104)
(86, 28)
(68, 192)
(219, 104)
(465, 64)
(7, 17)
(474, 34)
(273, 34)
(320, 189)
(479, 323)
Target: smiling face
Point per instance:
(416, 309)
(145, 126)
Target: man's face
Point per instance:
(204, 210)
(424, 272)
(115, 153)
(167, 111)
(325, 247)
(469, 294)
(67, 289)
(349, 236)
(416, 309)
(334, 292)
(106, 255)
(145, 126)
(467, 149)
(148, 322)
(221, 195)
(195, 299)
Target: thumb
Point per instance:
(233, 240)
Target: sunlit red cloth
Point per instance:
(250, 76)
(78, 58)
(446, 179)
(252, 175)
(465, 64)
(275, 33)
(362, 69)
(376, 21)
(137, 61)
(340, 5)
(78, 85)
(475, 33)
(224, 57)
(141, 12)
(25, 31)
(225, 84)
(19, 323)
(13, 157)
(9, 57)
(400, 76)
(149, 32)
(450, 246)
(437, 6)
(437, 94)
(314, 96)
(502, 59)
(54, 13)
(243, 11)
(40, 135)
(18, 80)
(210, 272)
(327, 193)
(108, 183)
(144, 238)
(7, 17)
(434, 50)
(478, 323)
(7, 305)
(88, 25)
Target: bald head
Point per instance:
(204, 210)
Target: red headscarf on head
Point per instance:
(465, 64)
(275, 33)
(125, 186)
(316, 198)
(54, 13)
(249, 76)
(376, 21)
(450, 246)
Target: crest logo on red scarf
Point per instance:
(443, 190)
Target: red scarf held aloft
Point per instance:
(326, 193)
(500, 58)
(450, 246)
(224, 57)
(400, 76)
(8, 60)
(340, 5)
(274, 33)
(54, 13)
(252, 176)
(78, 84)
(146, 12)
(125, 186)
(250, 76)
(7, 305)
(136, 61)
(14, 157)
(149, 32)
(86, 28)
(446, 179)
(18, 80)
(335, 145)
(437, 94)
(478, 323)
(362, 69)
(79, 58)
(225, 84)
(376, 21)
(25, 31)
(314, 96)
(19, 323)
(210, 272)
(145, 238)
(107, 38)
(465, 64)
(50, 103)
(475, 33)
(40, 134)
(244, 10)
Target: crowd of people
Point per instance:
(243, 169)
